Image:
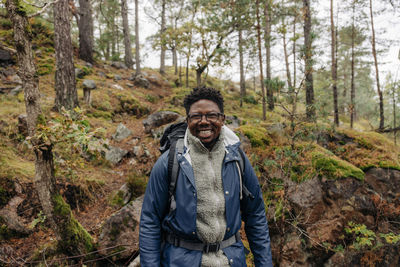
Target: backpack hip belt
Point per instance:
(200, 246)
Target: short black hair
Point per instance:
(208, 93)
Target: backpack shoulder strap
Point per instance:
(244, 189)
(173, 169)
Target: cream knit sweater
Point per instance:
(210, 222)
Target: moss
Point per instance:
(332, 167)
(75, 239)
(44, 69)
(118, 199)
(136, 184)
(100, 114)
(131, 106)
(258, 136)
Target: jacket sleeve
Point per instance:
(253, 215)
(153, 210)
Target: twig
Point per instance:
(43, 9)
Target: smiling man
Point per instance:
(216, 188)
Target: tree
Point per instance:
(137, 43)
(308, 61)
(71, 236)
(65, 84)
(378, 87)
(260, 59)
(85, 26)
(127, 38)
(268, 37)
(162, 31)
(334, 68)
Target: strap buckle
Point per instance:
(213, 247)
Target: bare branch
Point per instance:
(47, 5)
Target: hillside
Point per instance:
(331, 194)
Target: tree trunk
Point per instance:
(65, 84)
(378, 87)
(288, 75)
(267, 14)
(241, 67)
(163, 28)
(308, 62)
(334, 69)
(260, 59)
(85, 26)
(175, 59)
(294, 51)
(187, 69)
(352, 90)
(71, 237)
(137, 44)
(127, 37)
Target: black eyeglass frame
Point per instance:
(190, 117)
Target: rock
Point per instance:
(79, 73)
(292, 252)
(305, 195)
(384, 182)
(16, 90)
(121, 232)
(101, 74)
(88, 64)
(5, 58)
(135, 262)
(117, 77)
(159, 118)
(115, 154)
(89, 84)
(121, 133)
(10, 218)
(276, 129)
(141, 81)
(23, 125)
(232, 122)
(117, 86)
(118, 65)
(137, 151)
(129, 85)
(15, 79)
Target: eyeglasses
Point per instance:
(211, 117)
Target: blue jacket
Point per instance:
(155, 218)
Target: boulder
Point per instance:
(121, 232)
(121, 133)
(117, 87)
(79, 73)
(158, 119)
(115, 154)
(101, 74)
(118, 65)
(16, 90)
(5, 58)
(140, 80)
(89, 84)
(232, 122)
(117, 77)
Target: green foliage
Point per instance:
(131, 105)
(151, 98)
(136, 184)
(363, 236)
(250, 99)
(41, 218)
(335, 168)
(391, 238)
(44, 69)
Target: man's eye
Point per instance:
(212, 116)
(196, 117)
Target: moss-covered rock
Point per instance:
(332, 167)
(258, 136)
(131, 105)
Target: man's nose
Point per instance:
(203, 119)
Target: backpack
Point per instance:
(172, 139)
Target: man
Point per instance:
(203, 228)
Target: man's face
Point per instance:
(207, 130)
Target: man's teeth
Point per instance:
(205, 132)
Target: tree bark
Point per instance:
(65, 84)
(71, 237)
(85, 26)
(163, 28)
(267, 14)
(127, 38)
(137, 43)
(308, 62)
(378, 87)
(288, 75)
(175, 59)
(334, 69)
(260, 59)
(241, 67)
(352, 90)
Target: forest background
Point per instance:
(315, 104)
